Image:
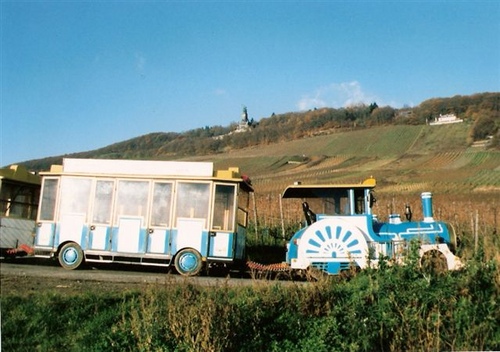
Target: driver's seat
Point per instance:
(308, 213)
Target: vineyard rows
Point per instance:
(486, 177)
(441, 160)
(403, 159)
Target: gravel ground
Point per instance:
(33, 275)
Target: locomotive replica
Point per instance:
(341, 231)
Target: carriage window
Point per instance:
(243, 205)
(75, 195)
(132, 199)
(224, 207)
(193, 200)
(48, 202)
(103, 202)
(18, 200)
(162, 199)
(243, 199)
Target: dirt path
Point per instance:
(30, 275)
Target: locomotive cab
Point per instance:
(346, 199)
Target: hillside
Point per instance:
(481, 113)
(398, 147)
(405, 158)
(405, 161)
(402, 158)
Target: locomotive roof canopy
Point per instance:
(324, 191)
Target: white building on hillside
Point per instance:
(445, 119)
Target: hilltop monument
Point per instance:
(245, 123)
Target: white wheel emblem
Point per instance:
(340, 243)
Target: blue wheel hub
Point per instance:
(188, 262)
(70, 256)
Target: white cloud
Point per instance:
(336, 95)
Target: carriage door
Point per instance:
(159, 222)
(100, 229)
(129, 231)
(192, 204)
(222, 237)
(46, 218)
(75, 195)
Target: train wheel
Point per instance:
(71, 256)
(434, 261)
(188, 262)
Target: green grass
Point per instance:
(395, 308)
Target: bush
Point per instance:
(392, 308)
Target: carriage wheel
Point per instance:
(188, 262)
(71, 256)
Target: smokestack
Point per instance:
(427, 206)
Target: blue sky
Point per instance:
(77, 76)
